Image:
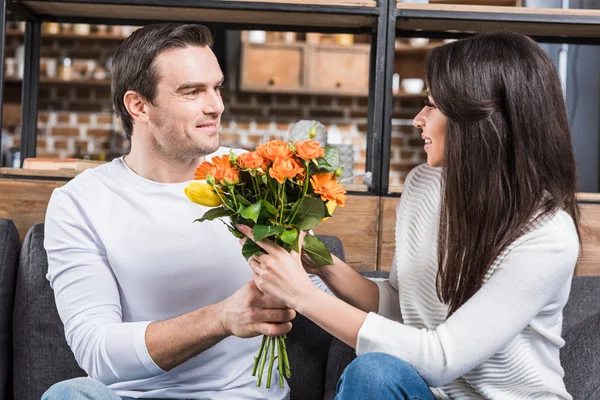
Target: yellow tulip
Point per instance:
(331, 205)
(203, 194)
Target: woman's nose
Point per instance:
(419, 120)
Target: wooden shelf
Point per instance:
(550, 22)
(404, 95)
(307, 13)
(91, 36)
(505, 3)
(56, 81)
(403, 48)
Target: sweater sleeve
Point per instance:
(526, 281)
(389, 302)
(87, 297)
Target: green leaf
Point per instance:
(241, 199)
(215, 213)
(289, 236)
(330, 161)
(235, 232)
(263, 231)
(250, 248)
(309, 215)
(317, 251)
(269, 207)
(252, 211)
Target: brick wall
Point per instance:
(76, 119)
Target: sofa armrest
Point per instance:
(10, 247)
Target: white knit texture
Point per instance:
(504, 342)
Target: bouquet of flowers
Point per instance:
(279, 190)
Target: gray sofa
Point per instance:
(41, 356)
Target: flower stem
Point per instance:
(286, 361)
(271, 362)
(232, 189)
(256, 189)
(304, 190)
(223, 200)
(280, 197)
(259, 356)
(263, 362)
(280, 360)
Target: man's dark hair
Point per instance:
(133, 64)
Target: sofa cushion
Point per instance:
(579, 359)
(584, 301)
(10, 246)
(41, 354)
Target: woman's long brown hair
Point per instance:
(508, 155)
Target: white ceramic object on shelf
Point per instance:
(412, 85)
(418, 42)
(257, 36)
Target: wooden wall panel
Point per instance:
(589, 259)
(366, 225)
(589, 256)
(25, 201)
(357, 226)
(387, 232)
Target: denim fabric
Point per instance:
(381, 376)
(80, 389)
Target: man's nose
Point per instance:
(214, 105)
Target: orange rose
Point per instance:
(328, 188)
(275, 149)
(283, 169)
(220, 168)
(309, 150)
(302, 173)
(203, 170)
(230, 177)
(250, 160)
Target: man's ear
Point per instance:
(136, 106)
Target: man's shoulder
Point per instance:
(89, 183)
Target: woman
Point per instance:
(486, 241)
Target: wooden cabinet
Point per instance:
(305, 68)
(272, 67)
(339, 69)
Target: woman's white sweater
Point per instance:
(501, 344)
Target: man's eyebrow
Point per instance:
(193, 85)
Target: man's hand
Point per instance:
(249, 312)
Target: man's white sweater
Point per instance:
(124, 251)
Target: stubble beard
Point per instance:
(191, 147)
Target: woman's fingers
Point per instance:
(269, 247)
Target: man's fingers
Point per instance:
(274, 329)
(277, 315)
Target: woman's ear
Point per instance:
(136, 106)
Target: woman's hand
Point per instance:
(279, 274)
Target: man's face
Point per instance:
(186, 114)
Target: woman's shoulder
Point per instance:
(557, 227)
(423, 180)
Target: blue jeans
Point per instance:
(81, 389)
(381, 376)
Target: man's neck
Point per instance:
(160, 170)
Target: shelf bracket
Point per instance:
(21, 11)
(30, 89)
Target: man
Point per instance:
(156, 306)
